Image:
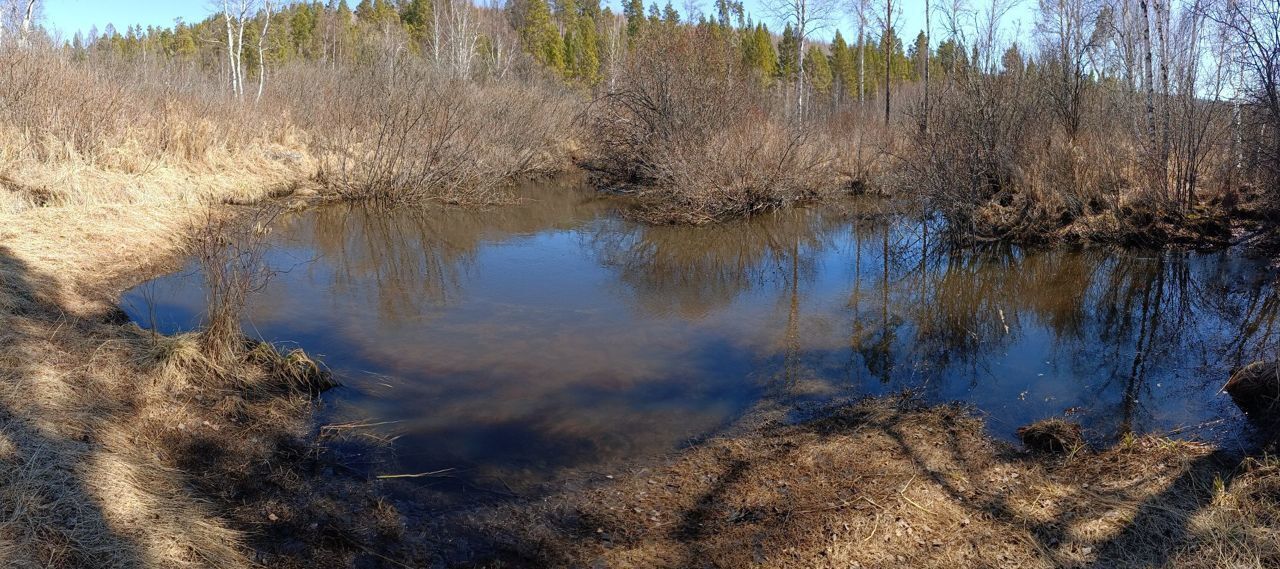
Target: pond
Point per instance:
(514, 348)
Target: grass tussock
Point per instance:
(889, 484)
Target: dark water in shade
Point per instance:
(524, 345)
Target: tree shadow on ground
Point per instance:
(49, 514)
(883, 484)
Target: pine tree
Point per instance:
(570, 51)
(788, 55)
(416, 15)
(899, 65)
(586, 66)
(364, 10)
(844, 75)
(765, 57)
(757, 53)
(1012, 61)
(184, 42)
(566, 13)
(539, 35)
(919, 56)
(302, 29)
(376, 12)
(633, 10)
(670, 16)
(951, 57)
(816, 70)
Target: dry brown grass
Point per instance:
(119, 448)
(885, 484)
(99, 421)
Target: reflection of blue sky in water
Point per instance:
(529, 341)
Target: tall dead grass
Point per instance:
(76, 134)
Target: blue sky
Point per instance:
(68, 16)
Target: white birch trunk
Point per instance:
(231, 48)
(262, 60)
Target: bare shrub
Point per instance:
(690, 130)
(404, 131)
(971, 158)
(65, 109)
(231, 252)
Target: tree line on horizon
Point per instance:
(577, 40)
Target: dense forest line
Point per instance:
(1110, 121)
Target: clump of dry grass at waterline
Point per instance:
(121, 448)
(889, 484)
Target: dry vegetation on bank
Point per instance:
(690, 131)
(77, 134)
(121, 448)
(887, 484)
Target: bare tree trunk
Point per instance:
(800, 24)
(27, 17)
(927, 32)
(244, 8)
(1148, 76)
(262, 60)
(231, 48)
(1189, 102)
(888, 55)
(1162, 13)
(862, 59)
(435, 36)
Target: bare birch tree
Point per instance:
(262, 52)
(809, 16)
(1148, 74)
(1064, 28)
(234, 20)
(860, 10)
(18, 17)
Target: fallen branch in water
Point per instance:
(418, 475)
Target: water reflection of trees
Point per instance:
(925, 315)
(407, 262)
(1120, 318)
(692, 271)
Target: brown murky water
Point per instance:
(526, 345)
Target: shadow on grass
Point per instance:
(899, 486)
(49, 514)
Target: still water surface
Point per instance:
(525, 345)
